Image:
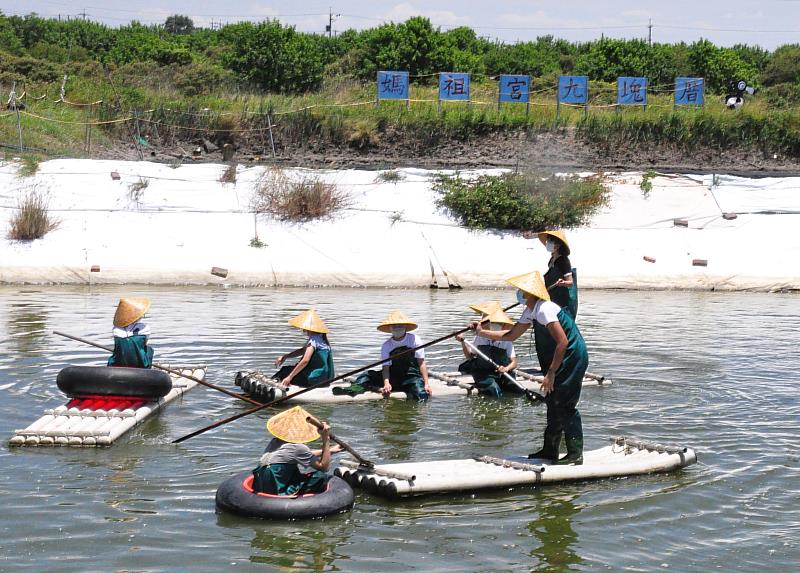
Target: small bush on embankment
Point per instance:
(32, 220)
(522, 201)
(297, 200)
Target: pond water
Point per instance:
(712, 371)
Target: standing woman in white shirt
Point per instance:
(563, 361)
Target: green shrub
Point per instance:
(32, 220)
(521, 201)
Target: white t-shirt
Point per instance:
(506, 345)
(410, 340)
(544, 312)
(318, 342)
(137, 327)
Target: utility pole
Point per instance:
(84, 14)
(649, 31)
(331, 16)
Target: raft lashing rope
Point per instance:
(625, 457)
(92, 421)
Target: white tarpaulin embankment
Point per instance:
(184, 222)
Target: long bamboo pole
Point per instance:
(324, 382)
(166, 369)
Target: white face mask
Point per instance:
(398, 331)
(550, 246)
(495, 326)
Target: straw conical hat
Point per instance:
(555, 234)
(396, 318)
(487, 307)
(291, 426)
(500, 317)
(531, 283)
(129, 310)
(309, 320)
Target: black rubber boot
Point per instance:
(549, 451)
(574, 452)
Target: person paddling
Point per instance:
(407, 372)
(560, 278)
(488, 379)
(563, 359)
(131, 335)
(316, 358)
(278, 471)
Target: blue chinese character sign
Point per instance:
(514, 88)
(689, 91)
(393, 85)
(573, 90)
(631, 91)
(453, 86)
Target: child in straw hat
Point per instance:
(316, 359)
(278, 471)
(402, 371)
(131, 335)
(488, 379)
(560, 278)
(563, 359)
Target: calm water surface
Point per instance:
(717, 372)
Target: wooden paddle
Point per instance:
(324, 382)
(166, 369)
(530, 394)
(362, 461)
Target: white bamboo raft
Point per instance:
(89, 427)
(442, 384)
(625, 457)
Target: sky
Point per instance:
(767, 23)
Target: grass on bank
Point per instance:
(296, 200)
(522, 201)
(31, 220)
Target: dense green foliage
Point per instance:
(521, 201)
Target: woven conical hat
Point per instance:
(531, 283)
(487, 307)
(291, 426)
(396, 318)
(556, 234)
(500, 317)
(309, 320)
(129, 310)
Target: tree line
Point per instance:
(272, 57)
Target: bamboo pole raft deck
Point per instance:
(93, 423)
(624, 457)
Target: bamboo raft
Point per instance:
(94, 422)
(624, 457)
(262, 387)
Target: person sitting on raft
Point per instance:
(489, 379)
(560, 277)
(316, 362)
(402, 370)
(563, 359)
(131, 335)
(278, 471)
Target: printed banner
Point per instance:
(514, 88)
(573, 89)
(454, 86)
(392, 85)
(631, 91)
(689, 91)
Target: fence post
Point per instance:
(271, 139)
(16, 108)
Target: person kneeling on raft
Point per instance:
(278, 471)
(488, 378)
(563, 359)
(131, 335)
(316, 362)
(402, 370)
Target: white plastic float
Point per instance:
(96, 425)
(442, 384)
(625, 457)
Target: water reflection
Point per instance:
(557, 540)
(398, 430)
(27, 327)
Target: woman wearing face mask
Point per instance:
(563, 361)
(488, 379)
(316, 359)
(402, 371)
(560, 278)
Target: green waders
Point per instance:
(565, 297)
(132, 352)
(286, 479)
(562, 412)
(489, 381)
(404, 375)
(318, 369)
